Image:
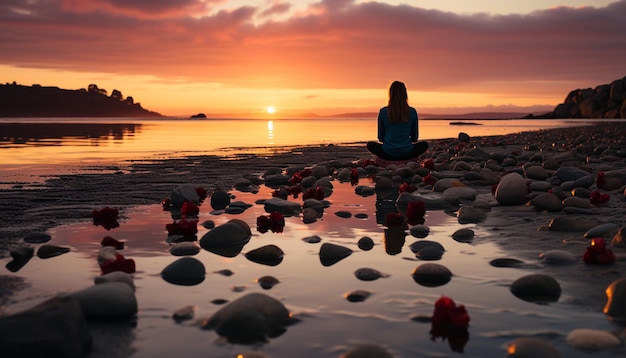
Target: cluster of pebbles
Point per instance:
(534, 193)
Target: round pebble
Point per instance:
(432, 275)
(357, 296)
(365, 243)
(538, 288)
(369, 274)
(592, 339)
(185, 271)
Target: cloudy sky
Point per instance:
(238, 57)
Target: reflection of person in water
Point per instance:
(397, 128)
(395, 239)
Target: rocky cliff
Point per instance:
(603, 102)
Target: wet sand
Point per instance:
(520, 229)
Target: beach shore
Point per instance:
(518, 228)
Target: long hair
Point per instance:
(398, 103)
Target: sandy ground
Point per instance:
(517, 228)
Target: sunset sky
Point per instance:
(238, 58)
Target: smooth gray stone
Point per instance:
(251, 318)
(44, 331)
(185, 271)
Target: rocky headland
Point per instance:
(39, 101)
(605, 101)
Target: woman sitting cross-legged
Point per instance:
(397, 128)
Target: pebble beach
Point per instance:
(542, 196)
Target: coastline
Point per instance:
(137, 182)
(521, 230)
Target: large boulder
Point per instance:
(511, 190)
(54, 328)
(251, 318)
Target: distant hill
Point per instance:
(38, 101)
(476, 115)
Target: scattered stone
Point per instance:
(37, 238)
(531, 347)
(231, 233)
(21, 255)
(547, 201)
(225, 272)
(601, 230)
(43, 331)
(506, 262)
(251, 318)
(538, 288)
(285, 207)
(511, 190)
(592, 339)
(364, 191)
(429, 253)
(343, 214)
(277, 180)
(208, 224)
(369, 274)
(419, 231)
(432, 275)
(365, 243)
(446, 183)
(540, 186)
(220, 200)
(330, 254)
(463, 235)
(615, 307)
(312, 239)
(267, 282)
(183, 193)
(47, 251)
(558, 257)
(270, 255)
(570, 173)
(456, 194)
(361, 216)
(186, 271)
(185, 248)
(107, 301)
(576, 202)
(470, 214)
(537, 172)
(357, 296)
(419, 245)
(184, 314)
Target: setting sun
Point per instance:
(270, 110)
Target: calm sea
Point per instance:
(95, 141)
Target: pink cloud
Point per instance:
(338, 44)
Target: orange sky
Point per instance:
(236, 58)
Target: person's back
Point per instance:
(397, 137)
(397, 128)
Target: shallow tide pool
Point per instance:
(328, 324)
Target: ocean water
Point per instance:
(52, 141)
(315, 293)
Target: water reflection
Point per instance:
(52, 134)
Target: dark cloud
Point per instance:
(339, 44)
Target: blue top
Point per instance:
(397, 138)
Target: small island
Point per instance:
(39, 101)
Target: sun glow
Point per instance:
(270, 110)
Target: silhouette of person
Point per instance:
(397, 128)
